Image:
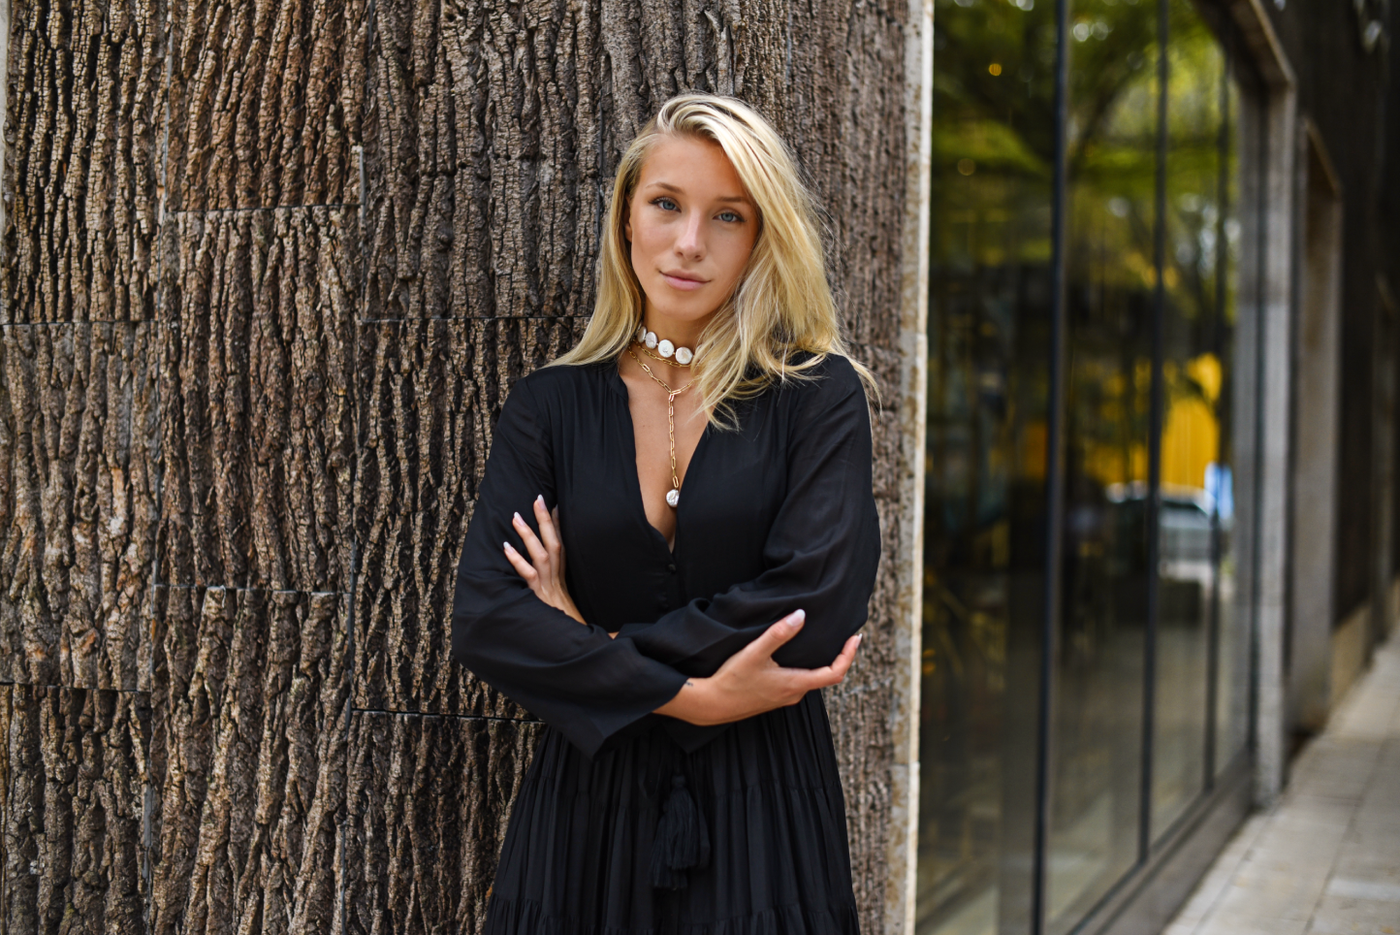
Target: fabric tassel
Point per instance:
(681, 842)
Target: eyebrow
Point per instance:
(679, 191)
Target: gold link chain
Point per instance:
(670, 414)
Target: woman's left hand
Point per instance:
(544, 570)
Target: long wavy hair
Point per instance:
(782, 304)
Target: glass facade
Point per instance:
(1149, 665)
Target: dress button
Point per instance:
(671, 567)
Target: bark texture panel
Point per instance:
(841, 107)
(267, 102)
(257, 417)
(248, 760)
(77, 502)
(491, 137)
(429, 798)
(429, 393)
(312, 412)
(484, 153)
(71, 776)
(82, 162)
(861, 707)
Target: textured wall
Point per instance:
(269, 271)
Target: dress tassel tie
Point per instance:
(681, 842)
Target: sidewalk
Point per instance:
(1326, 859)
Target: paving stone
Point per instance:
(1327, 858)
(1347, 915)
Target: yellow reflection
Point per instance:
(1191, 432)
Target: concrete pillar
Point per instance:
(1314, 484)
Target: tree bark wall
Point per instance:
(270, 269)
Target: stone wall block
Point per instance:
(72, 771)
(248, 760)
(267, 103)
(77, 502)
(82, 160)
(428, 396)
(429, 801)
(257, 417)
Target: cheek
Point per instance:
(645, 240)
(737, 257)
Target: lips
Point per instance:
(681, 280)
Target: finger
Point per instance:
(777, 634)
(548, 533)
(554, 516)
(522, 567)
(834, 674)
(538, 555)
(842, 664)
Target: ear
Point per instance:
(627, 224)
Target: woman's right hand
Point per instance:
(751, 683)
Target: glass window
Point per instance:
(1110, 265)
(1150, 314)
(989, 325)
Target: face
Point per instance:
(691, 229)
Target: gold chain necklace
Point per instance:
(673, 497)
(664, 360)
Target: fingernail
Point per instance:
(506, 546)
(799, 617)
(518, 519)
(860, 638)
(540, 499)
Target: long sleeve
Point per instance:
(820, 555)
(574, 677)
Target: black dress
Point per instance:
(629, 822)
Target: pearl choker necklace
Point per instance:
(683, 355)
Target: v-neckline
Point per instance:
(638, 502)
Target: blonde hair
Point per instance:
(782, 304)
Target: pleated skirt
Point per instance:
(581, 853)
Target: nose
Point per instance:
(690, 242)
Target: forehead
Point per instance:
(691, 165)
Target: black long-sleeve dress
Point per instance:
(629, 822)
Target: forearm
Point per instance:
(692, 703)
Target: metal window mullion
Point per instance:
(1054, 477)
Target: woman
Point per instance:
(703, 458)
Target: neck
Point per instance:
(679, 333)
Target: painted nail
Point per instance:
(518, 519)
(540, 499)
(799, 617)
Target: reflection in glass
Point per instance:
(989, 318)
(1193, 374)
(990, 314)
(1110, 261)
(1232, 626)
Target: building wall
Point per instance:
(269, 271)
(1341, 89)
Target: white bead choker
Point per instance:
(683, 355)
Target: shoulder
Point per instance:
(549, 386)
(538, 404)
(826, 383)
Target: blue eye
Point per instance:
(729, 216)
(665, 204)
